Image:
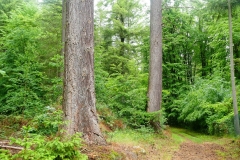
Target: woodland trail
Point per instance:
(194, 151)
(180, 144)
(189, 150)
(204, 150)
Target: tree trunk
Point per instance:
(79, 95)
(235, 107)
(155, 77)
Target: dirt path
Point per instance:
(184, 145)
(194, 151)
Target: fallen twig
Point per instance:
(4, 144)
(11, 147)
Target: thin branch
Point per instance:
(11, 147)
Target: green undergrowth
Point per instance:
(40, 137)
(132, 137)
(48, 148)
(152, 143)
(170, 140)
(179, 134)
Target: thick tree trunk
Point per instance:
(155, 77)
(79, 95)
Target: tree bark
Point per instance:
(235, 107)
(155, 77)
(79, 94)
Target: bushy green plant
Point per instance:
(127, 97)
(205, 105)
(54, 85)
(222, 126)
(22, 90)
(39, 147)
(46, 123)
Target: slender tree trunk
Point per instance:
(79, 95)
(155, 77)
(235, 107)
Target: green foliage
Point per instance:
(47, 123)
(2, 73)
(22, 91)
(130, 100)
(195, 46)
(205, 105)
(26, 87)
(118, 33)
(50, 19)
(39, 147)
(122, 96)
(54, 85)
(127, 97)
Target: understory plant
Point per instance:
(39, 147)
(207, 106)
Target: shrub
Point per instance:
(46, 123)
(205, 106)
(39, 147)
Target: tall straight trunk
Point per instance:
(155, 77)
(79, 95)
(235, 107)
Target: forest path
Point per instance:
(194, 151)
(175, 144)
(201, 147)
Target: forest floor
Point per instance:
(172, 144)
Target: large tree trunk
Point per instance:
(79, 95)
(155, 77)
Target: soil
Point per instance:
(193, 151)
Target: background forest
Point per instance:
(196, 65)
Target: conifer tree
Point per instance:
(79, 95)
(155, 75)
